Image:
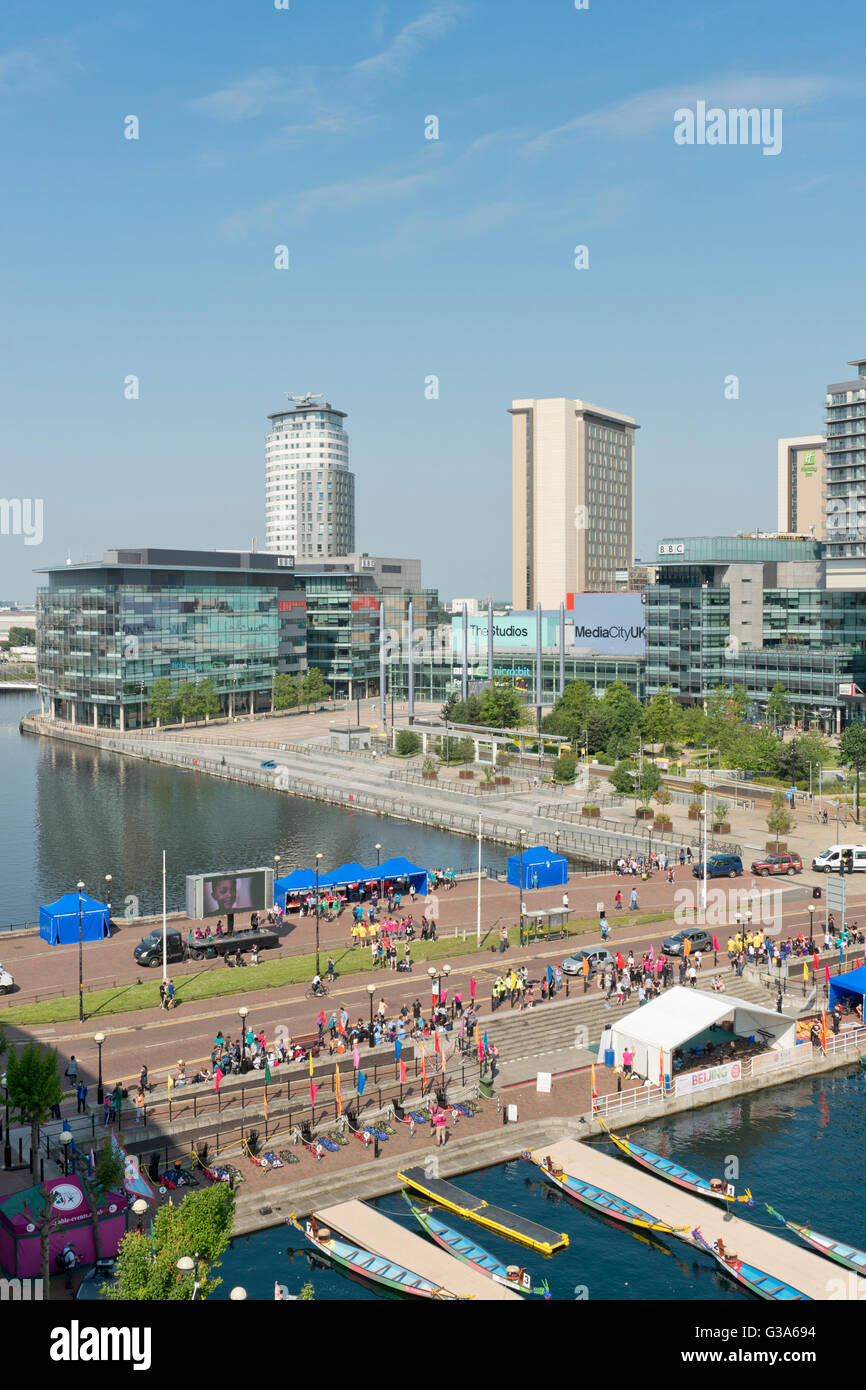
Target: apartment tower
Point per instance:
(801, 486)
(572, 499)
(309, 490)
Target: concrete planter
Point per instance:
(465, 774)
(723, 828)
(644, 813)
(429, 776)
(662, 823)
(773, 848)
(486, 787)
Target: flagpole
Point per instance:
(478, 924)
(164, 937)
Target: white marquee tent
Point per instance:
(656, 1030)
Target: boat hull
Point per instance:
(598, 1200)
(757, 1281)
(675, 1173)
(467, 1251)
(370, 1268)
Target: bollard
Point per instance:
(376, 1145)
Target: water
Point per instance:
(71, 813)
(799, 1148)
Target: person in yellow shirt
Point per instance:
(362, 933)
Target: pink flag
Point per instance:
(217, 1078)
(402, 1071)
(827, 973)
(715, 942)
(471, 988)
(355, 1058)
(313, 1090)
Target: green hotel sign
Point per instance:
(809, 466)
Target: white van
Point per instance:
(831, 859)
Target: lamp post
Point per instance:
(7, 1142)
(378, 855)
(371, 990)
(811, 923)
(520, 835)
(242, 1015)
(80, 887)
(189, 1266)
(99, 1039)
(65, 1139)
(139, 1208)
(238, 1294)
(318, 857)
(108, 896)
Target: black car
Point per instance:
(699, 939)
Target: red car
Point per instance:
(778, 864)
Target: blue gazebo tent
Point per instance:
(300, 881)
(398, 868)
(551, 868)
(345, 876)
(58, 922)
(852, 983)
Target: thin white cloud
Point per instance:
(248, 96)
(35, 66)
(654, 109)
(407, 43)
(332, 197)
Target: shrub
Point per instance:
(407, 743)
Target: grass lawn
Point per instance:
(216, 982)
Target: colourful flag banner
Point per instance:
(311, 1066)
(471, 988)
(266, 1103)
(217, 1078)
(398, 1048)
(356, 1060)
(486, 1048)
(313, 1092)
(362, 1081)
(823, 1033)
(436, 1046)
(170, 1082)
(423, 1066)
(715, 942)
(337, 1090)
(267, 1071)
(134, 1180)
(827, 973)
(403, 1071)
(594, 1091)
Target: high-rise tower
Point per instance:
(309, 490)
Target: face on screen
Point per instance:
(229, 893)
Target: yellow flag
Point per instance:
(311, 1064)
(170, 1084)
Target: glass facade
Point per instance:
(845, 490)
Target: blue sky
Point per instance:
(411, 257)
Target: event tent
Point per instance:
(71, 1219)
(398, 868)
(58, 922)
(843, 985)
(346, 876)
(656, 1030)
(300, 881)
(551, 868)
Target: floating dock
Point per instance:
(472, 1208)
(366, 1227)
(811, 1274)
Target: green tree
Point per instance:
(407, 742)
(187, 701)
(565, 767)
(778, 706)
(314, 687)
(661, 717)
(692, 726)
(199, 1228)
(624, 711)
(286, 694)
(779, 818)
(33, 1086)
(207, 700)
(22, 637)
(622, 777)
(466, 750)
(852, 750)
(502, 707)
(647, 780)
(162, 701)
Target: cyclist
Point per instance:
(318, 987)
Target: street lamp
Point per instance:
(811, 923)
(242, 1015)
(80, 887)
(139, 1208)
(65, 1138)
(238, 1294)
(520, 835)
(371, 990)
(378, 855)
(188, 1266)
(108, 895)
(7, 1143)
(318, 857)
(99, 1039)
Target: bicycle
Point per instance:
(319, 993)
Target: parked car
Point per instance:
(7, 984)
(599, 959)
(269, 763)
(830, 861)
(699, 939)
(720, 866)
(778, 864)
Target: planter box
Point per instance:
(772, 848)
(465, 774)
(644, 813)
(486, 787)
(591, 811)
(429, 776)
(502, 781)
(694, 815)
(723, 828)
(660, 824)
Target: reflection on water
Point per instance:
(71, 813)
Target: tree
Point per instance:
(314, 687)
(779, 819)
(187, 701)
(852, 748)
(162, 701)
(661, 717)
(778, 706)
(207, 700)
(407, 742)
(502, 707)
(199, 1228)
(33, 1086)
(22, 637)
(466, 750)
(565, 767)
(692, 726)
(624, 711)
(622, 778)
(286, 694)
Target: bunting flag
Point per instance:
(356, 1060)
(476, 1035)
(267, 1072)
(715, 942)
(217, 1078)
(486, 1048)
(170, 1084)
(805, 973)
(423, 1068)
(471, 988)
(662, 1073)
(398, 1048)
(311, 1066)
(815, 962)
(362, 1081)
(827, 973)
(823, 1033)
(403, 1071)
(800, 936)
(594, 1091)
(266, 1105)
(549, 973)
(436, 1040)
(337, 1095)
(313, 1092)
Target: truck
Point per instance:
(148, 952)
